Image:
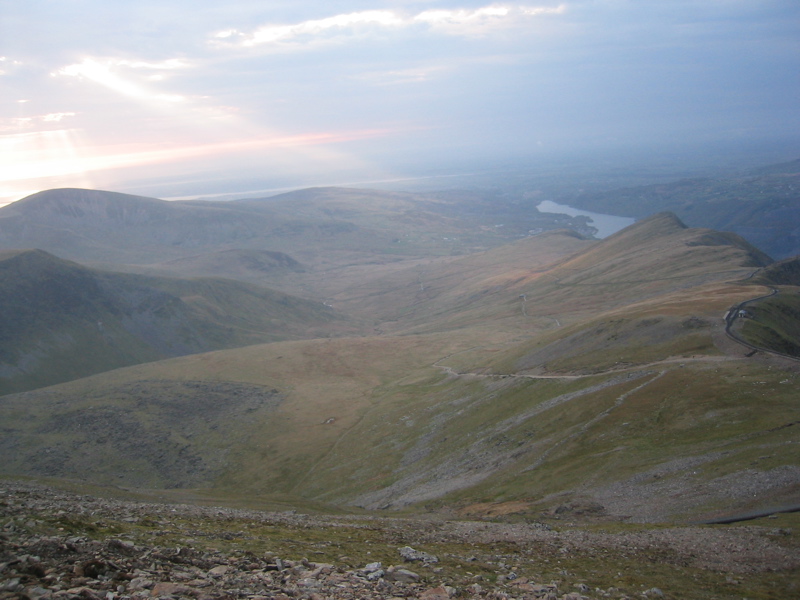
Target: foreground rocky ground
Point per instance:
(62, 545)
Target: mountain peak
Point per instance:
(92, 205)
(663, 222)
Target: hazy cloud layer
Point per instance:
(96, 94)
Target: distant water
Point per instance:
(605, 224)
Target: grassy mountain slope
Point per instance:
(554, 278)
(62, 321)
(450, 293)
(626, 402)
(773, 322)
(762, 206)
(242, 265)
(784, 272)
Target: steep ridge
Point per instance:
(622, 404)
(555, 277)
(62, 321)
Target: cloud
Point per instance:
(450, 78)
(482, 21)
(464, 22)
(101, 72)
(273, 34)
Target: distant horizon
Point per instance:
(147, 95)
(672, 163)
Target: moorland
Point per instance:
(475, 378)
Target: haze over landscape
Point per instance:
(188, 98)
(402, 299)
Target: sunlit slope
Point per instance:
(62, 321)
(632, 407)
(456, 292)
(554, 279)
(528, 420)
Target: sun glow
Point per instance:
(61, 158)
(102, 74)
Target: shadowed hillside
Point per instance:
(62, 321)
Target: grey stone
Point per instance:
(402, 576)
(410, 555)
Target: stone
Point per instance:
(410, 555)
(140, 583)
(219, 571)
(167, 588)
(38, 592)
(372, 567)
(402, 575)
(10, 585)
(83, 592)
(124, 546)
(375, 575)
(437, 593)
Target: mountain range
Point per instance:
(376, 350)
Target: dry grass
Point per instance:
(528, 375)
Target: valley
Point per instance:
(385, 357)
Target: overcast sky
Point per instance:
(105, 94)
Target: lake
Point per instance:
(605, 224)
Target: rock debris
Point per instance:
(41, 561)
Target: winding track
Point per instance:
(733, 314)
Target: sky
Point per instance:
(187, 96)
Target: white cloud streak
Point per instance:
(271, 34)
(460, 22)
(101, 72)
